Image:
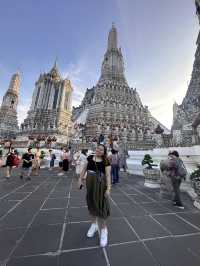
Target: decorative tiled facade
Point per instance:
(8, 110)
(113, 108)
(50, 111)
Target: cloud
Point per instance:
(81, 77)
(22, 110)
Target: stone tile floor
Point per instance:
(44, 222)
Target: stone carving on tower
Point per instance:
(50, 110)
(112, 108)
(8, 110)
(185, 115)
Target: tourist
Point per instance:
(75, 159)
(172, 167)
(66, 156)
(52, 159)
(1, 158)
(98, 184)
(181, 174)
(80, 166)
(36, 162)
(61, 162)
(27, 160)
(114, 160)
(115, 144)
(17, 159)
(123, 155)
(70, 157)
(10, 162)
(61, 158)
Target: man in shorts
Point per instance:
(27, 159)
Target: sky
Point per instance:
(158, 40)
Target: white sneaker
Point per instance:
(92, 230)
(60, 174)
(104, 237)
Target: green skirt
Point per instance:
(97, 202)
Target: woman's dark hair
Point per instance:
(104, 157)
(175, 153)
(84, 151)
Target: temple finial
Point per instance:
(112, 38)
(56, 63)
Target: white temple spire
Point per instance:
(112, 38)
(113, 63)
(15, 83)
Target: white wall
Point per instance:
(189, 155)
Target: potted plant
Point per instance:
(152, 175)
(195, 179)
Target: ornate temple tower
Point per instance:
(8, 111)
(112, 107)
(185, 114)
(50, 111)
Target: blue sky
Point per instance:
(157, 38)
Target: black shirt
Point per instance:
(97, 166)
(10, 159)
(28, 157)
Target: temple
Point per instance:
(112, 108)
(8, 110)
(50, 111)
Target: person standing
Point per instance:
(61, 162)
(27, 160)
(10, 162)
(66, 156)
(52, 159)
(114, 160)
(172, 168)
(123, 155)
(61, 158)
(36, 162)
(177, 178)
(80, 165)
(98, 184)
(115, 145)
(1, 158)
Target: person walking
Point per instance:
(27, 160)
(52, 159)
(114, 160)
(98, 185)
(10, 162)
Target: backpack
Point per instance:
(181, 171)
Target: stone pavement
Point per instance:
(44, 222)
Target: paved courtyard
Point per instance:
(44, 222)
